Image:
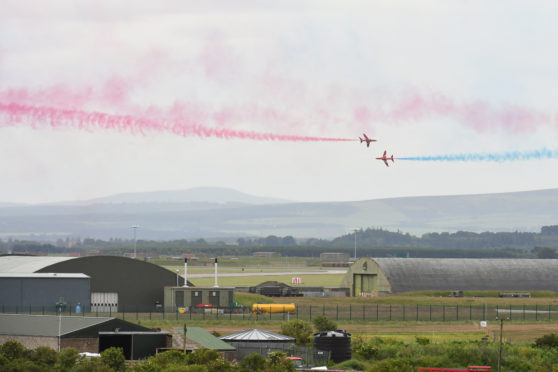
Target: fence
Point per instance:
(364, 313)
(310, 356)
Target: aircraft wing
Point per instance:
(385, 161)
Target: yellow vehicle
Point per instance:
(273, 308)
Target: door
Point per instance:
(196, 298)
(357, 284)
(214, 298)
(104, 302)
(179, 298)
(368, 283)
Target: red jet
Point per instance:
(366, 139)
(385, 158)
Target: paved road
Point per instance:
(266, 273)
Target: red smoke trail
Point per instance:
(479, 115)
(37, 116)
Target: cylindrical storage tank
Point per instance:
(337, 342)
(273, 308)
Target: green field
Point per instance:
(325, 280)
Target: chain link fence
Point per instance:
(364, 313)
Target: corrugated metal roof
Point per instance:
(414, 274)
(45, 325)
(134, 333)
(205, 339)
(44, 275)
(257, 335)
(28, 264)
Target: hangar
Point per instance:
(85, 334)
(373, 276)
(117, 283)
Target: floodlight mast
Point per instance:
(355, 230)
(135, 227)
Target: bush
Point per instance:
(202, 356)
(357, 365)
(278, 362)
(91, 365)
(163, 361)
(252, 363)
(323, 324)
(114, 358)
(43, 355)
(66, 359)
(300, 330)
(390, 365)
(12, 350)
(550, 340)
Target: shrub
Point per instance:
(323, 324)
(300, 330)
(12, 350)
(390, 365)
(252, 363)
(114, 358)
(550, 340)
(91, 365)
(202, 356)
(357, 365)
(66, 359)
(422, 340)
(278, 362)
(43, 355)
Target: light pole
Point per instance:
(135, 227)
(355, 231)
(59, 326)
(177, 271)
(500, 346)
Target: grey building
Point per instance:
(85, 334)
(117, 283)
(190, 297)
(373, 276)
(36, 291)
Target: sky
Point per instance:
(269, 98)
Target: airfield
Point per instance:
(530, 317)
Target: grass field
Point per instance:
(326, 280)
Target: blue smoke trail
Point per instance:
(494, 157)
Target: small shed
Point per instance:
(191, 297)
(257, 341)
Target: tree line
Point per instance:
(369, 242)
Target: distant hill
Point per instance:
(228, 213)
(219, 195)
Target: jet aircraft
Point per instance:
(366, 139)
(385, 158)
